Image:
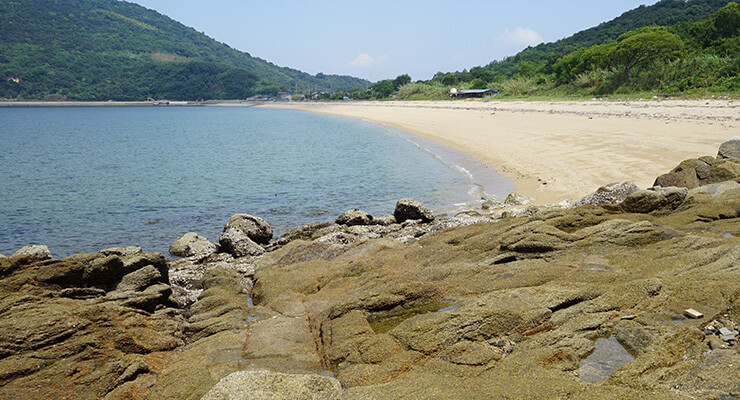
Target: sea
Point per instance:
(82, 179)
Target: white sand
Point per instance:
(560, 150)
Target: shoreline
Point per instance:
(484, 182)
(549, 150)
(556, 151)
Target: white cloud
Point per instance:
(365, 60)
(519, 37)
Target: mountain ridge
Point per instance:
(107, 49)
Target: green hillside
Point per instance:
(545, 55)
(109, 49)
(674, 46)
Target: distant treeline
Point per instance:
(699, 51)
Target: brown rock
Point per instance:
(256, 228)
(140, 279)
(192, 245)
(409, 209)
(689, 174)
(354, 217)
(104, 271)
(725, 170)
(238, 244)
(40, 252)
(730, 148)
(658, 198)
(609, 194)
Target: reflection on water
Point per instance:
(608, 356)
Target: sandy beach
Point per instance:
(560, 150)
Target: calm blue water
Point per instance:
(82, 179)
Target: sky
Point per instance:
(381, 39)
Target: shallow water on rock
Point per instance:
(385, 322)
(606, 358)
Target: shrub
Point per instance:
(422, 91)
(449, 80)
(478, 83)
(519, 85)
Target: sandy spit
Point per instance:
(554, 151)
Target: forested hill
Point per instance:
(663, 13)
(115, 50)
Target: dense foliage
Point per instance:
(672, 46)
(109, 49)
(663, 13)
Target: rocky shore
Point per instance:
(510, 302)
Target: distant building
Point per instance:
(468, 93)
(290, 96)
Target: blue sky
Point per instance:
(382, 39)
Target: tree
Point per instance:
(383, 88)
(449, 80)
(727, 20)
(401, 80)
(526, 68)
(645, 44)
(478, 83)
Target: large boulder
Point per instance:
(689, 173)
(354, 217)
(610, 194)
(730, 148)
(255, 227)
(40, 252)
(191, 244)
(237, 243)
(266, 385)
(657, 198)
(696, 172)
(408, 208)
